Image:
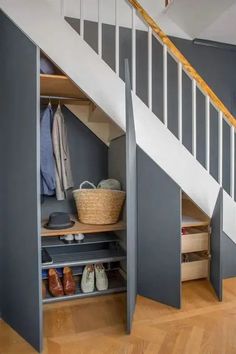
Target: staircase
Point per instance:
(65, 41)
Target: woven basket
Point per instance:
(98, 206)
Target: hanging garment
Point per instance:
(63, 173)
(47, 164)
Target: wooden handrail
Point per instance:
(188, 67)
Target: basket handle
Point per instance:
(87, 182)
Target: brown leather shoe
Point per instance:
(68, 281)
(44, 291)
(55, 285)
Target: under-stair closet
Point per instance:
(98, 150)
(91, 159)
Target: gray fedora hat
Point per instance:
(59, 221)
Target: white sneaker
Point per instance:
(87, 282)
(101, 277)
(79, 237)
(67, 238)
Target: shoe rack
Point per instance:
(100, 247)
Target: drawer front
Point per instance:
(195, 270)
(195, 242)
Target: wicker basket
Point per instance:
(98, 206)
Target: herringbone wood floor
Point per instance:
(96, 326)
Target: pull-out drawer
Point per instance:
(197, 268)
(195, 240)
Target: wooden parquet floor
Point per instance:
(96, 326)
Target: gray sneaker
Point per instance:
(101, 277)
(87, 282)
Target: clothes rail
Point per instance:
(61, 98)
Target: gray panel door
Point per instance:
(216, 274)
(19, 112)
(131, 190)
(159, 233)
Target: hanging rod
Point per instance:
(64, 98)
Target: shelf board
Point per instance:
(88, 239)
(189, 221)
(61, 86)
(82, 228)
(76, 258)
(117, 284)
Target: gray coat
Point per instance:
(47, 164)
(63, 174)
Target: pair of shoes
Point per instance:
(71, 238)
(88, 278)
(57, 287)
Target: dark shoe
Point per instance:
(55, 285)
(68, 282)
(44, 291)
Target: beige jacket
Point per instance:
(64, 179)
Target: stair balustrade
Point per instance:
(130, 14)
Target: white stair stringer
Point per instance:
(74, 56)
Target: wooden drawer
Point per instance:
(194, 242)
(196, 269)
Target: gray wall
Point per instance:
(89, 161)
(216, 66)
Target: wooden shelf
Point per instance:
(189, 221)
(61, 86)
(82, 228)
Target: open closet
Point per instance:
(177, 242)
(91, 160)
(26, 211)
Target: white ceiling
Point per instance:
(156, 9)
(212, 19)
(207, 19)
(223, 29)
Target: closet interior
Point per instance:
(95, 156)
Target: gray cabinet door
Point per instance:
(159, 233)
(216, 275)
(131, 204)
(20, 243)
